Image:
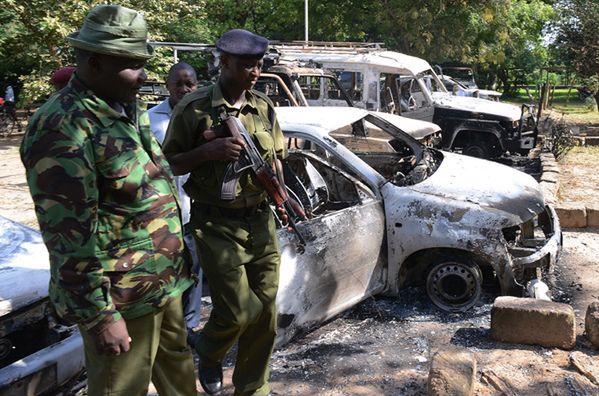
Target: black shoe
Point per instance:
(211, 379)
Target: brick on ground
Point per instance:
(592, 215)
(551, 177)
(551, 168)
(591, 324)
(453, 372)
(533, 321)
(572, 215)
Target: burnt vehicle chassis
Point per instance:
(485, 135)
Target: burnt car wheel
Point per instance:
(454, 285)
(477, 149)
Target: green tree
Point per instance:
(576, 42)
(35, 34)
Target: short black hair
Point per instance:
(181, 66)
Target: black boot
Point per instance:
(211, 379)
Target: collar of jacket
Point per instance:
(163, 107)
(105, 114)
(218, 99)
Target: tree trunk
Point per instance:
(597, 99)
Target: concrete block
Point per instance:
(551, 177)
(549, 192)
(532, 321)
(592, 215)
(453, 372)
(547, 158)
(572, 215)
(591, 323)
(553, 168)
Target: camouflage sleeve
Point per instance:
(62, 181)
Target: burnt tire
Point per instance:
(454, 285)
(477, 149)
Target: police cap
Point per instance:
(241, 42)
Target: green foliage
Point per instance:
(34, 39)
(576, 41)
(501, 39)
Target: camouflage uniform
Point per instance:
(237, 244)
(106, 204)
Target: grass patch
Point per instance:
(565, 101)
(592, 151)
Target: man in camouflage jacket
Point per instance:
(106, 204)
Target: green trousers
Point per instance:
(240, 257)
(158, 353)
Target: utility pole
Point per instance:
(306, 20)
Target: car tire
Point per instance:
(477, 149)
(454, 284)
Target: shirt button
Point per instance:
(125, 265)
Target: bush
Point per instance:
(590, 103)
(560, 139)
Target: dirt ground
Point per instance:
(15, 201)
(579, 176)
(384, 345)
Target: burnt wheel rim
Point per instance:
(476, 151)
(454, 286)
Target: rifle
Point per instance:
(250, 158)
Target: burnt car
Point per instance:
(299, 84)
(382, 80)
(387, 212)
(37, 354)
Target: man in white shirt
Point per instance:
(9, 103)
(180, 81)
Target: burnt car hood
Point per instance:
(501, 190)
(418, 129)
(476, 105)
(24, 266)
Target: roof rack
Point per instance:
(326, 46)
(183, 46)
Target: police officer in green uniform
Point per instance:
(106, 204)
(236, 239)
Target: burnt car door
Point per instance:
(344, 259)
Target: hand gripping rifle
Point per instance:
(250, 158)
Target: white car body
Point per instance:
(387, 234)
(57, 355)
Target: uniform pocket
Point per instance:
(126, 256)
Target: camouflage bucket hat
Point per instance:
(113, 30)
